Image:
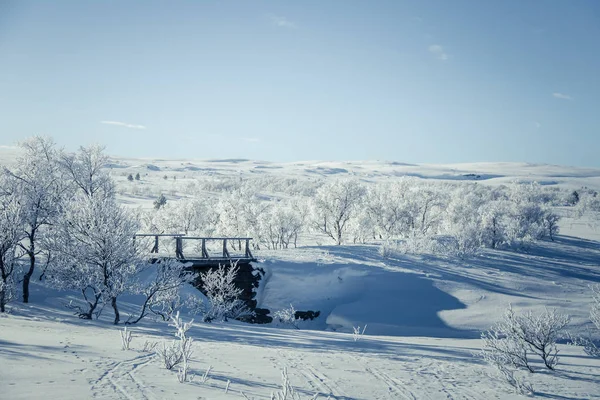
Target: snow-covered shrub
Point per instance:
(508, 372)
(468, 240)
(179, 351)
(286, 316)
(357, 333)
(501, 349)
(589, 344)
(169, 355)
(507, 353)
(185, 345)
(126, 337)
(517, 336)
(541, 332)
(387, 250)
(425, 244)
(222, 293)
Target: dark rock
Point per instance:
(261, 316)
(307, 315)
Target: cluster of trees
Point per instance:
(61, 209)
(466, 216)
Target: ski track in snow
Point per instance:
(316, 379)
(394, 387)
(432, 381)
(120, 380)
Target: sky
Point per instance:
(407, 81)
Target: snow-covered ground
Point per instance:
(46, 352)
(424, 314)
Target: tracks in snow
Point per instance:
(395, 387)
(321, 384)
(120, 380)
(432, 381)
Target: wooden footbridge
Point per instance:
(203, 254)
(200, 251)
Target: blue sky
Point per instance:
(427, 81)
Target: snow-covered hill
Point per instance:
(424, 314)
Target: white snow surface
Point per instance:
(424, 314)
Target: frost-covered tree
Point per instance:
(84, 170)
(334, 205)
(493, 223)
(42, 189)
(11, 233)
(550, 221)
(240, 213)
(230, 208)
(528, 217)
(464, 218)
(385, 211)
(427, 209)
(282, 224)
(95, 250)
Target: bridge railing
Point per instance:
(203, 252)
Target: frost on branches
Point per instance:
(286, 316)
(41, 188)
(95, 250)
(178, 352)
(589, 342)
(511, 341)
(334, 207)
(84, 170)
(161, 289)
(11, 232)
(222, 293)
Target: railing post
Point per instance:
(179, 248)
(248, 252)
(225, 252)
(204, 252)
(155, 248)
